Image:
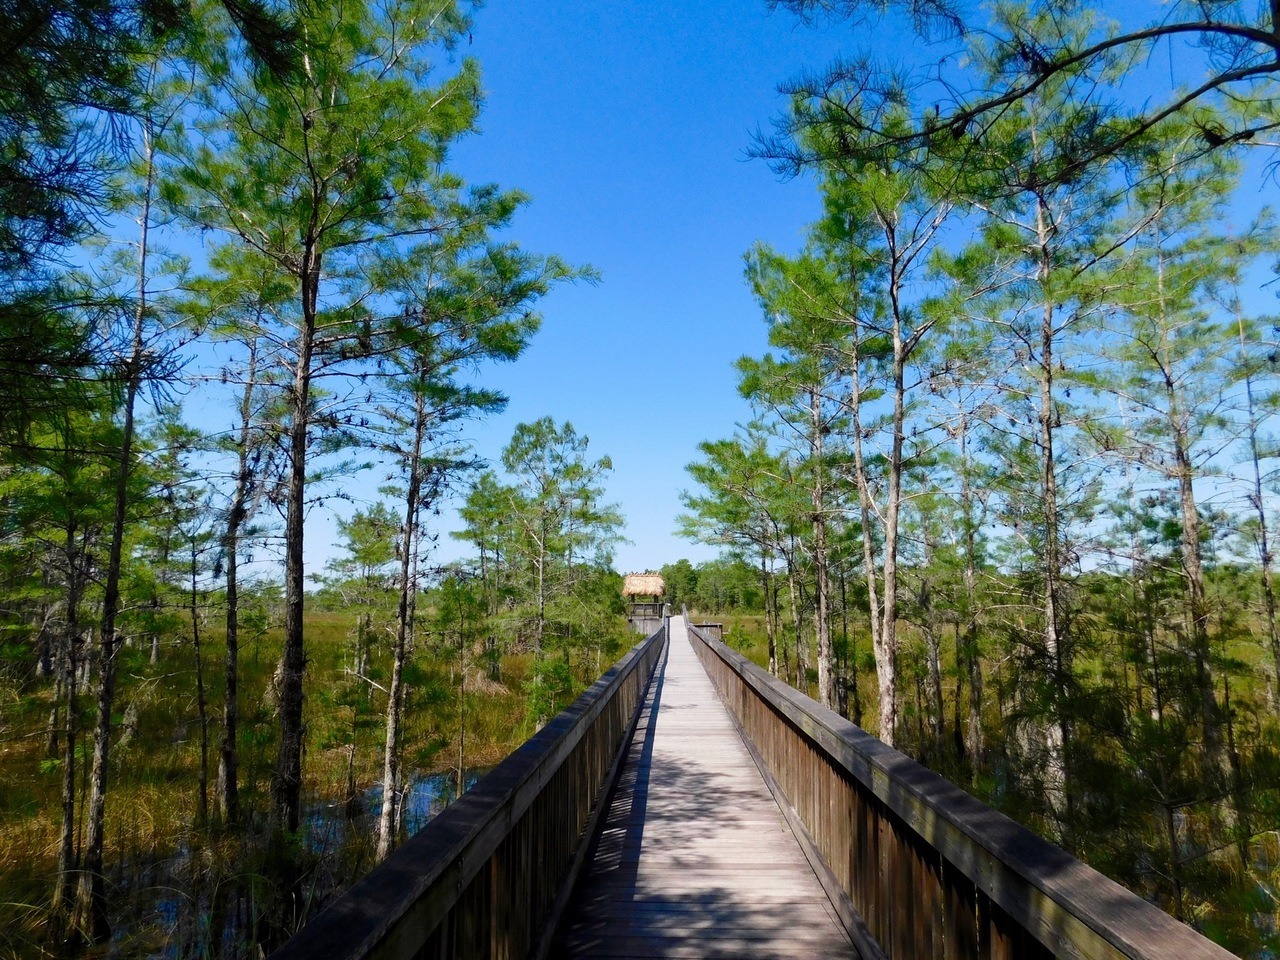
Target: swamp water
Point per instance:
(212, 904)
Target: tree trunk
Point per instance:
(53, 730)
(202, 705)
(1239, 783)
(766, 586)
(388, 819)
(166, 550)
(821, 572)
(1056, 647)
(887, 651)
(90, 918)
(286, 783)
(1197, 608)
(1166, 803)
(957, 719)
(64, 891)
(351, 808)
(1263, 537)
(462, 707)
(540, 627)
(798, 680)
(228, 789)
(886, 665)
(970, 658)
(933, 643)
(44, 652)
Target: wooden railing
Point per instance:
(489, 877)
(918, 868)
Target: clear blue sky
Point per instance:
(629, 123)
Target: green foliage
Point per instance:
(552, 687)
(1071, 392)
(713, 587)
(545, 545)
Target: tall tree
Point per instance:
(1252, 368)
(1171, 360)
(805, 388)
(564, 528)
(488, 527)
(743, 506)
(881, 223)
(146, 326)
(326, 177)
(1044, 239)
(472, 304)
(253, 477)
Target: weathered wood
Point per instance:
(695, 858)
(932, 871)
(482, 878)
(845, 909)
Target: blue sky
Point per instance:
(629, 124)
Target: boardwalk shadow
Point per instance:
(629, 799)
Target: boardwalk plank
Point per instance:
(695, 859)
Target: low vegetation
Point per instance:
(185, 887)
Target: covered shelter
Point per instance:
(649, 586)
(644, 592)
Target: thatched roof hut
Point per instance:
(643, 585)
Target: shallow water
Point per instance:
(185, 905)
(426, 798)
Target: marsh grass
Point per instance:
(182, 888)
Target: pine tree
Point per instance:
(326, 179)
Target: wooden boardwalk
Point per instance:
(695, 858)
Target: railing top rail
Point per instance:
(1061, 900)
(406, 895)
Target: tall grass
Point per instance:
(181, 888)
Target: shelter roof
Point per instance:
(643, 585)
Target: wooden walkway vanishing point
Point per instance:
(695, 858)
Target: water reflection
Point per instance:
(426, 797)
(198, 903)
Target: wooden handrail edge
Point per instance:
(462, 838)
(980, 842)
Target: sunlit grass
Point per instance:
(167, 869)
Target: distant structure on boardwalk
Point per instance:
(644, 592)
(643, 585)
